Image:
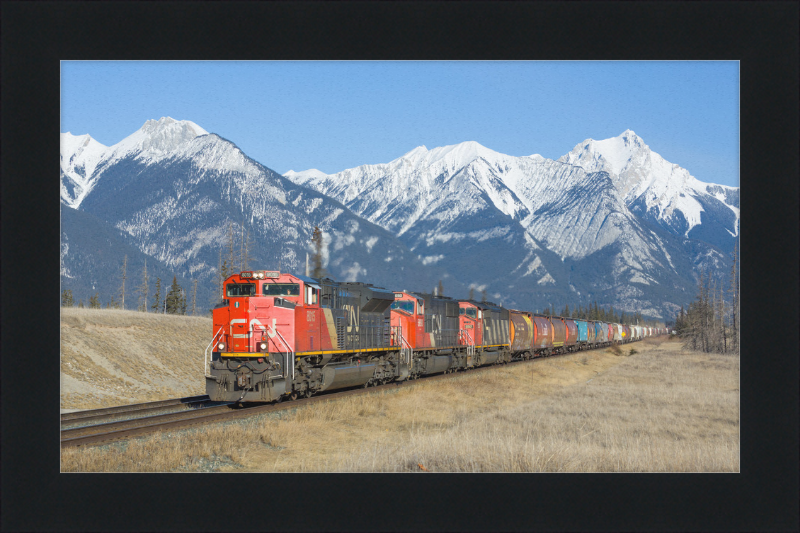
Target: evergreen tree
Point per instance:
(173, 299)
(316, 240)
(94, 301)
(483, 296)
(80, 304)
(67, 299)
(157, 303)
(471, 294)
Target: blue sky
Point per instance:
(336, 115)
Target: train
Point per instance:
(281, 336)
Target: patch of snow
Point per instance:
(547, 279)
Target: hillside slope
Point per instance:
(113, 357)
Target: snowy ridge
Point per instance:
(80, 155)
(172, 190)
(604, 199)
(83, 159)
(608, 221)
(156, 140)
(639, 173)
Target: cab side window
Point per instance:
(311, 295)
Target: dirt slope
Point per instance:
(112, 357)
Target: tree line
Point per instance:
(711, 323)
(173, 299)
(174, 302)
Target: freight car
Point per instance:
(278, 335)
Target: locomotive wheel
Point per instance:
(293, 395)
(309, 393)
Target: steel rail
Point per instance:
(125, 409)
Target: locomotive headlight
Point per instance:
(263, 346)
(221, 346)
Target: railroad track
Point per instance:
(104, 432)
(109, 414)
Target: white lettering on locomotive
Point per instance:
(352, 318)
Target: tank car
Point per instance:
(520, 331)
(542, 335)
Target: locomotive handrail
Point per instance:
(206, 360)
(470, 343)
(409, 349)
(289, 353)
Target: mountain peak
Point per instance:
(154, 127)
(419, 150)
(611, 155)
(160, 136)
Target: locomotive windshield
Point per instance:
(472, 312)
(241, 289)
(404, 305)
(281, 289)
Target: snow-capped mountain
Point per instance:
(80, 155)
(599, 224)
(533, 221)
(662, 192)
(174, 190)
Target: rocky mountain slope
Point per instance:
(175, 191)
(611, 221)
(603, 222)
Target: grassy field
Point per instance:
(659, 410)
(112, 357)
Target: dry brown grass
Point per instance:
(659, 410)
(111, 357)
